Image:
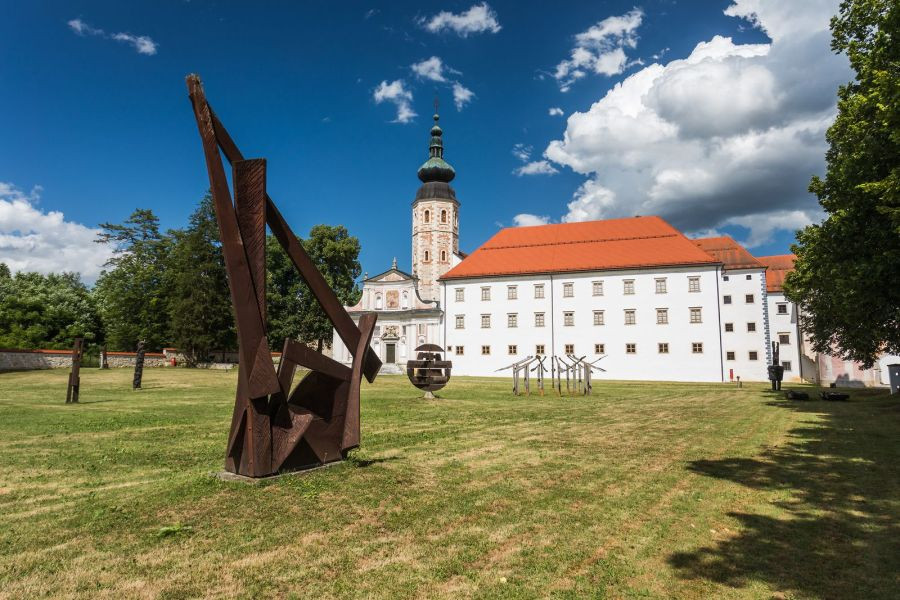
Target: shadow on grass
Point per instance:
(837, 479)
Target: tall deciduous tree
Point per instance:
(45, 311)
(848, 267)
(293, 310)
(200, 310)
(132, 295)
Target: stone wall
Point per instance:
(27, 360)
(117, 360)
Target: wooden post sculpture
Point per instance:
(429, 372)
(75, 374)
(138, 366)
(104, 358)
(275, 428)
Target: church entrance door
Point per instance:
(390, 353)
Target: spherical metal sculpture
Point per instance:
(429, 372)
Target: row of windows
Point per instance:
(427, 256)
(512, 319)
(748, 299)
(512, 291)
(725, 277)
(426, 216)
(630, 348)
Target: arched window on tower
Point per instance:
(426, 256)
(443, 256)
(443, 216)
(427, 216)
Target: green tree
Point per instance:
(132, 295)
(848, 267)
(200, 310)
(45, 311)
(293, 310)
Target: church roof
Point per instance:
(636, 242)
(778, 268)
(728, 252)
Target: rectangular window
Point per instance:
(460, 294)
(512, 349)
(420, 328)
(748, 298)
(539, 290)
(729, 356)
(693, 284)
(568, 290)
(696, 315)
(539, 349)
(753, 355)
(538, 319)
(599, 348)
(662, 316)
(726, 299)
(782, 309)
(749, 277)
(724, 277)
(663, 347)
(786, 364)
(512, 292)
(661, 285)
(512, 320)
(485, 350)
(784, 338)
(460, 321)
(485, 321)
(485, 293)
(697, 347)
(598, 317)
(597, 288)
(458, 350)
(729, 327)
(630, 348)
(751, 327)
(568, 319)
(628, 287)
(629, 317)
(570, 348)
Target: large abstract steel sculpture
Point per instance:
(275, 428)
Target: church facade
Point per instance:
(635, 295)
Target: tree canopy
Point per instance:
(848, 267)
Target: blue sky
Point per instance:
(717, 124)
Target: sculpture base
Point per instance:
(428, 396)
(229, 476)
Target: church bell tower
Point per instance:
(435, 219)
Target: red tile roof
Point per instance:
(636, 242)
(728, 252)
(778, 267)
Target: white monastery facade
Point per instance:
(635, 293)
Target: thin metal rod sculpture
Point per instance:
(138, 366)
(75, 375)
(275, 428)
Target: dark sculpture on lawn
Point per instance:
(138, 366)
(75, 376)
(776, 369)
(429, 372)
(275, 428)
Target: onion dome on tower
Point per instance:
(436, 173)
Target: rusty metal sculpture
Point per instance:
(275, 428)
(429, 372)
(138, 366)
(75, 375)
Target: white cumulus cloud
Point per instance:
(461, 95)
(555, 112)
(729, 135)
(536, 167)
(430, 68)
(478, 19)
(34, 240)
(529, 220)
(600, 49)
(397, 94)
(142, 43)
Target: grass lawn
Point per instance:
(643, 490)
